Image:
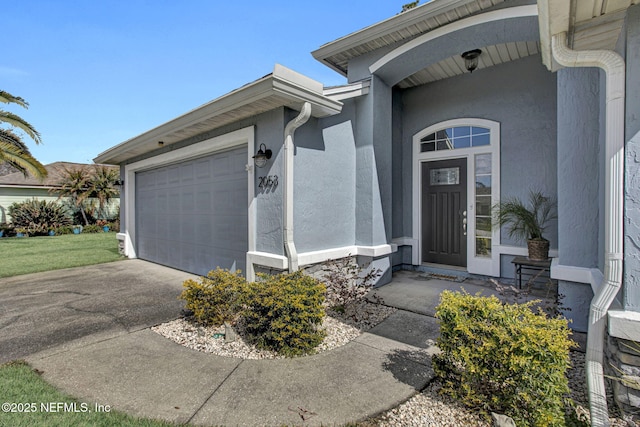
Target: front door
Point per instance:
(444, 212)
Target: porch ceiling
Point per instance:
(454, 66)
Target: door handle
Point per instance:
(464, 223)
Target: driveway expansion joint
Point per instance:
(214, 392)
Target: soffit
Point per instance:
(402, 27)
(282, 88)
(590, 24)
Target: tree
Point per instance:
(410, 6)
(102, 186)
(81, 184)
(75, 185)
(12, 149)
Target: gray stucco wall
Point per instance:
(373, 165)
(325, 182)
(579, 165)
(631, 293)
(521, 95)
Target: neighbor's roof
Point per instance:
(283, 87)
(54, 175)
(403, 26)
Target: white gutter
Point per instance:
(289, 130)
(614, 68)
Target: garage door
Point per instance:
(192, 215)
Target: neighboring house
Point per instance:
(350, 164)
(15, 187)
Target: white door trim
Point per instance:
(478, 265)
(206, 147)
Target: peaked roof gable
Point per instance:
(404, 26)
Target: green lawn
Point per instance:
(22, 255)
(37, 403)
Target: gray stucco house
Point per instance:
(554, 105)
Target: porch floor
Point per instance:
(419, 292)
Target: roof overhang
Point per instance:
(403, 26)
(589, 24)
(282, 88)
(36, 187)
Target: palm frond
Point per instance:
(7, 98)
(526, 222)
(12, 138)
(23, 161)
(17, 121)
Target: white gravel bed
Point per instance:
(340, 328)
(427, 408)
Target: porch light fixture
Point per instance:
(118, 182)
(261, 157)
(471, 59)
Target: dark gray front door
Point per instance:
(444, 204)
(193, 215)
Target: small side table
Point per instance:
(524, 265)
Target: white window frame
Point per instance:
(245, 136)
(478, 265)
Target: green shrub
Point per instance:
(65, 229)
(92, 228)
(284, 313)
(503, 358)
(38, 216)
(217, 298)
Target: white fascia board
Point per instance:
(36, 187)
(387, 26)
(348, 91)
(553, 18)
(470, 21)
(244, 95)
(283, 82)
(321, 106)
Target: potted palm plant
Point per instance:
(528, 222)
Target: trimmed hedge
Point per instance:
(284, 313)
(281, 313)
(503, 358)
(217, 298)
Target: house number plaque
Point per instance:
(269, 181)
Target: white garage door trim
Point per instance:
(209, 146)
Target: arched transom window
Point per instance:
(456, 137)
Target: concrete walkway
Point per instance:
(144, 374)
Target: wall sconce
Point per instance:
(471, 59)
(261, 157)
(118, 182)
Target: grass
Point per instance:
(36, 254)
(20, 384)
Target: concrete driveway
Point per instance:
(42, 311)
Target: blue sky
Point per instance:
(98, 72)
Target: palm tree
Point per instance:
(102, 186)
(75, 184)
(12, 149)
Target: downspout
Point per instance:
(289, 130)
(614, 68)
